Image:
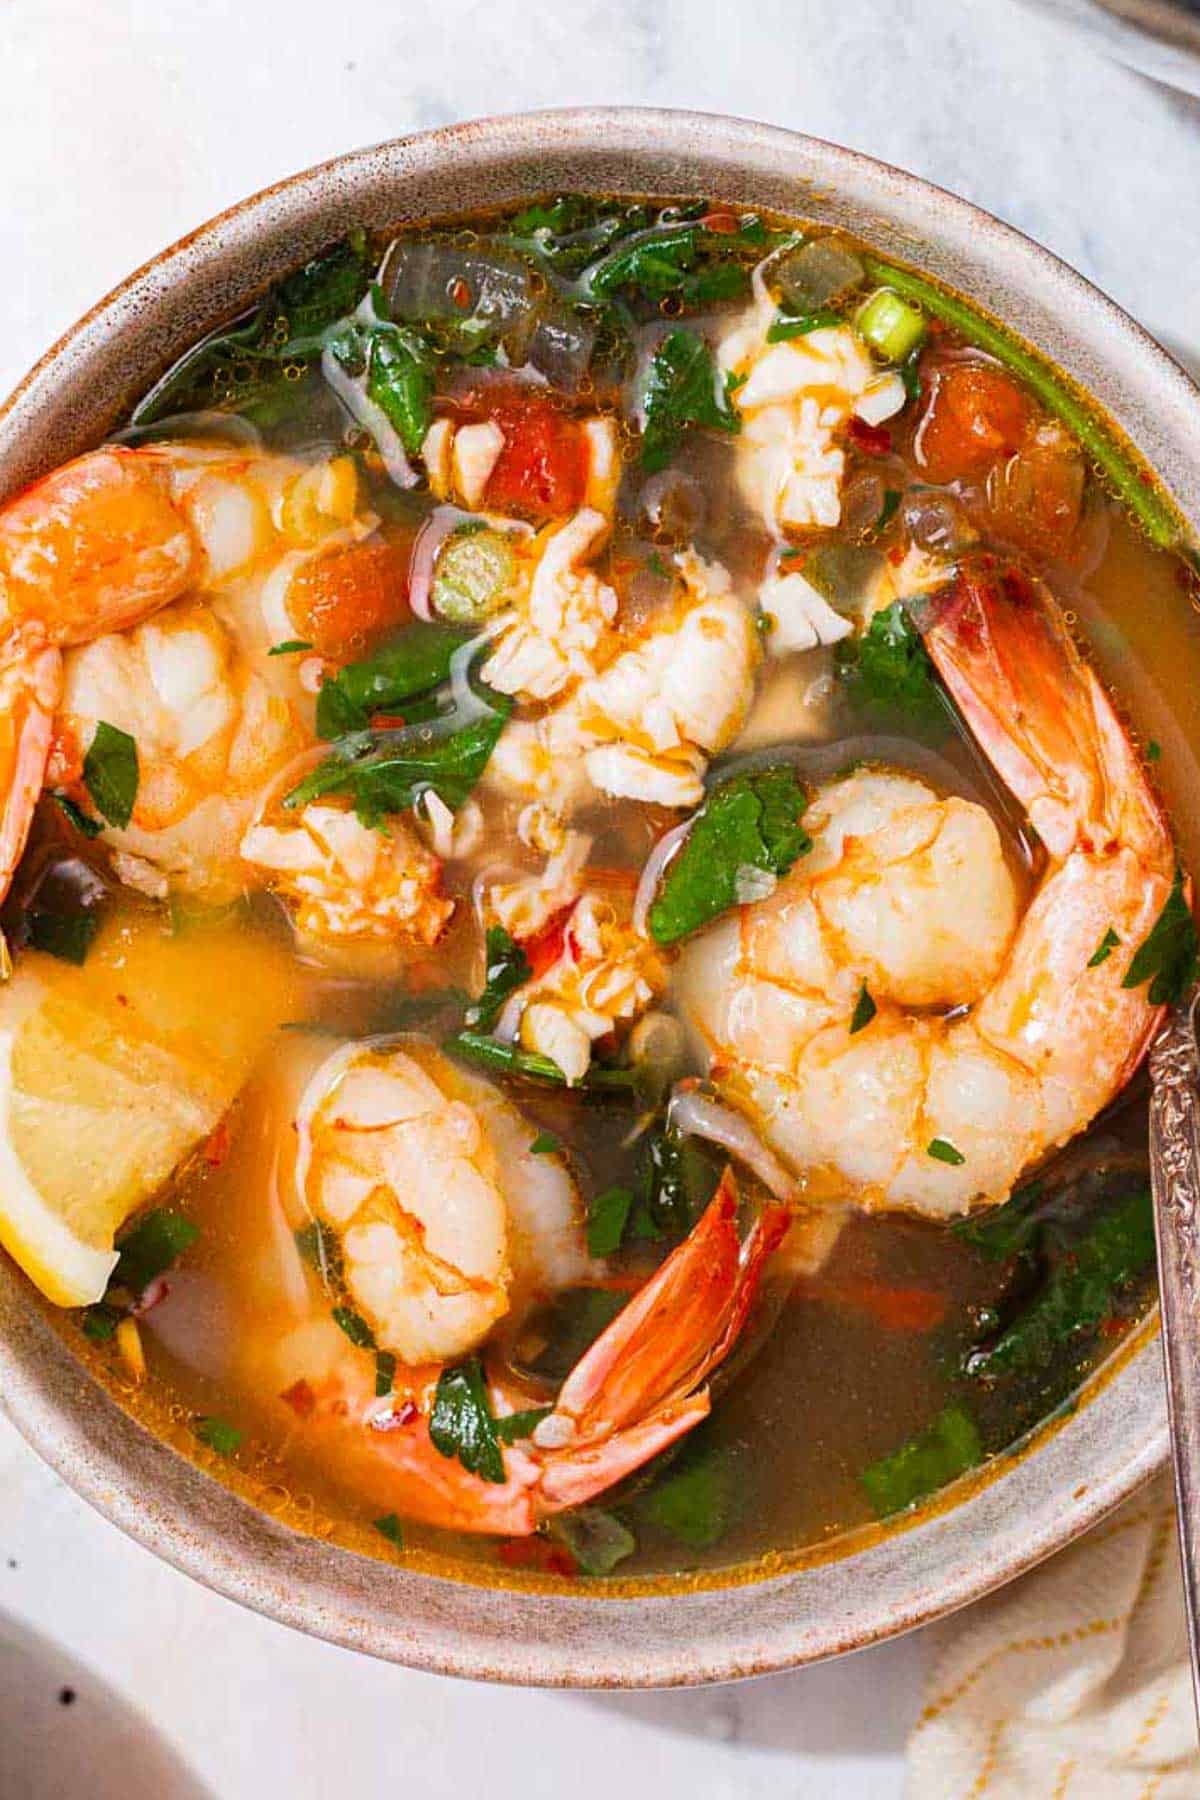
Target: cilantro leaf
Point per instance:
(1104, 949)
(289, 647)
(545, 1144)
(788, 324)
(461, 1424)
(1169, 957)
(530, 1065)
(887, 672)
(390, 1528)
(148, 1248)
(400, 369)
(936, 1456)
(385, 1373)
(607, 1213)
(110, 773)
(507, 970)
(751, 821)
(681, 389)
(864, 1010)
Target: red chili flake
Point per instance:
(722, 221)
(872, 440)
(387, 721)
(300, 1398)
(122, 999)
(896, 554)
(460, 294)
(395, 1417)
(217, 1148)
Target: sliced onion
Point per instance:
(694, 1114)
(652, 874)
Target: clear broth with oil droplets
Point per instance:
(841, 1368)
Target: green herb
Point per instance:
(943, 1151)
(318, 1244)
(390, 1528)
(65, 935)
(91, 828)
(400, 367)
(596, 1539)
(462, 1425)
(545, 1144)
(507, 1059)
(355, 1328)
(750, 822)
(676, 1180)
(890, 325)
(607, 1213)
(384, 771)
(1079, 1294)
(415, 663)
(1169, 957)
(1104, 949)
(149, 1248)
(474, 575)
(947, 1449)
(100, 1322)
(507, 970)
(887, 512)
(1153, 750)
(110, 773)
(1002, 1232)
(788, 324)
(657, 566)
(289, 647)
(514, 1427)
(695, 1500)
(1126, 473)
(218, 1435)
(385, 1372)
(864, 1011)
(245, 366)
(569, 1325)
(681, 389)
(888, 674)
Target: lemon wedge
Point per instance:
(111, 1074)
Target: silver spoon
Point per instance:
(1175, 1179)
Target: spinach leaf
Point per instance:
(384, 771)
(596, 1539)
(1169, 957)
(218, 1434)
(681, 389)
(750, 822)
(530, 1065)
(607, 1213)
(400, 380)
(65, 935)
(696, 1499)
(507, 970)
(242, 366)
(413, 664)
(1079, 1294)
(888, 675)
(927, 1462)
(110, 773)
(148, 1248)
(461, 1424)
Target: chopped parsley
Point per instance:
(110, 773)
(461, 1424)
(864, 1010)
(545, 1144)
(607, 1214)
(681, 389)
(1169, 957)
(942, 1150)
(390, 1528)
(1104, 949)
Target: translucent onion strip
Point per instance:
(694, 1114)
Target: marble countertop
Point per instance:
(123, 126)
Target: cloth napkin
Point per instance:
(1073, 1683)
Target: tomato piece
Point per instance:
(872, 440)
(974, 416)
(543, 465)
(340, 601)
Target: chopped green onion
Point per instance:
(289, 647)
(473, 576)
(890, 325)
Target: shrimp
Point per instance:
(794, 398)
(143, 589)
(997, 1034)
(444, 1227)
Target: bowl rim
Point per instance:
(1026, 1510)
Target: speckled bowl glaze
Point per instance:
(1035, 1503)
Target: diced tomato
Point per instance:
(300, 1398)
(1036, 496)
(544, 950)
(543, 465)
(974, 415)
(872, 440)
(341, 601)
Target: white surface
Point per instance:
(124, 124)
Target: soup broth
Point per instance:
(596, 554)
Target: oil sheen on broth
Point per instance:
(618, 672)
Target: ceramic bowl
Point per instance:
(779, 1618)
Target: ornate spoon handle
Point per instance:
(1175, 1178)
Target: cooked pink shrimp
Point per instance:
(996, 1037)
(446, 1224)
